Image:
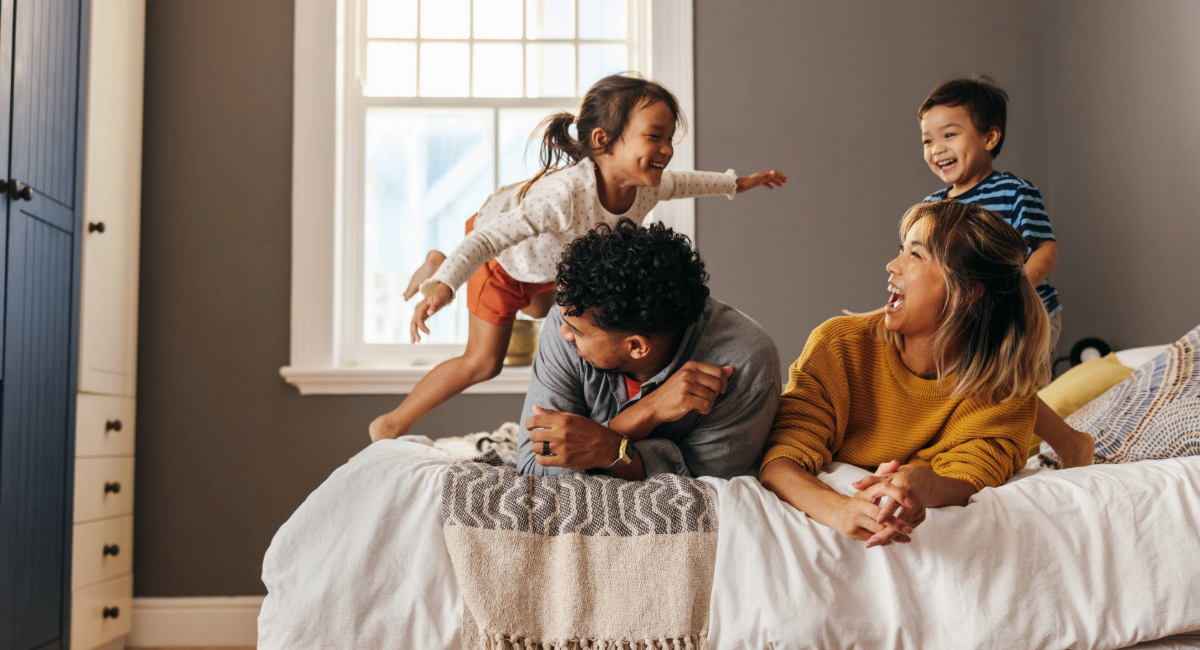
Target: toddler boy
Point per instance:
(962, 131)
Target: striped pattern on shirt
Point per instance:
(1020, 203)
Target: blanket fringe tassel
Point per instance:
(517, 642)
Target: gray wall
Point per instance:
(227, 450)
(825, 91)
(1124, 160)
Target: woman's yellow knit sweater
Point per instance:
(850, 398)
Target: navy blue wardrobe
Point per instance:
(42, 90)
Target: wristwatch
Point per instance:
(623, 458)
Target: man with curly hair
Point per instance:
(640, 372)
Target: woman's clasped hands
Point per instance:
(888, 505)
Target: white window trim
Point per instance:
(318, 146)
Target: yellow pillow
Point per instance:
(1080, 385)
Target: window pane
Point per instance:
(497, 70)
(497, 18)
(445, 69)
(607, 19)
(392, 19)
(445, 18)
(426, 173)
(550, 19)
(595, 61)
(550, 71)
(391, 70)
(519, 145)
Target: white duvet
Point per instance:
(1099, 557)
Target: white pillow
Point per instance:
(1134, 357)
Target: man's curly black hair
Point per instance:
(636, 280)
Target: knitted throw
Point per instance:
(579, 561)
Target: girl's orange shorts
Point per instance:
(495, 296)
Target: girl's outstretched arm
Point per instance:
(771, 180)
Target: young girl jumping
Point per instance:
(616, 168)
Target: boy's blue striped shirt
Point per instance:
(1020, 203)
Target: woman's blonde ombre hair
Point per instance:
(995, 335)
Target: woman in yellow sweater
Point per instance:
(938, 389)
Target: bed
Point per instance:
(1098, 557)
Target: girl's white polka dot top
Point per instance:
(528, 238)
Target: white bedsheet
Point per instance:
(1098, 557)
(362, 562)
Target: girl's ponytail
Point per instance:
(608, 106)
(557, 145)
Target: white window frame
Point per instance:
(323, 358)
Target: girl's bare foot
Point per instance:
(385, 427)
(432, 261)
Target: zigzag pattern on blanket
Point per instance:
(475, 495)
(1155, 413)
(579, 562)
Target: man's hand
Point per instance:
(771, 179)
(694, 387)
(437, 295)
(575, 442)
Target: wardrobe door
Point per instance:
(37, 407)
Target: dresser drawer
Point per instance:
(102, 550)
(101, 613)
(104, 425)
(103, 488)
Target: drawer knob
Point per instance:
(112, 612)
(113, 487)
(112, 549)
(17, 193)
(96, 226)
(112, 425)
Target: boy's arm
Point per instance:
(1042, 261)
(1034, 225)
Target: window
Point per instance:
(445, 95)
(414, 112)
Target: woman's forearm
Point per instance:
(800, 489)
(946, 491)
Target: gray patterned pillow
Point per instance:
(1155, 413)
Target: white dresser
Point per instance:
(102, 555)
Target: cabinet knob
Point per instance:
(96, 226)
(112, 549)
(112, 425)
(113, 487)
(112, 612)
(18, 193)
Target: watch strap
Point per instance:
(623, 457)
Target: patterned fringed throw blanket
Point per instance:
(1154, 413)
(579, 561)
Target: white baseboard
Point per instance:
(222, 621)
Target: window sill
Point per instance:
(513, 380)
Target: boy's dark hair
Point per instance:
(607, 105)
(635, 280)
(985, 101)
